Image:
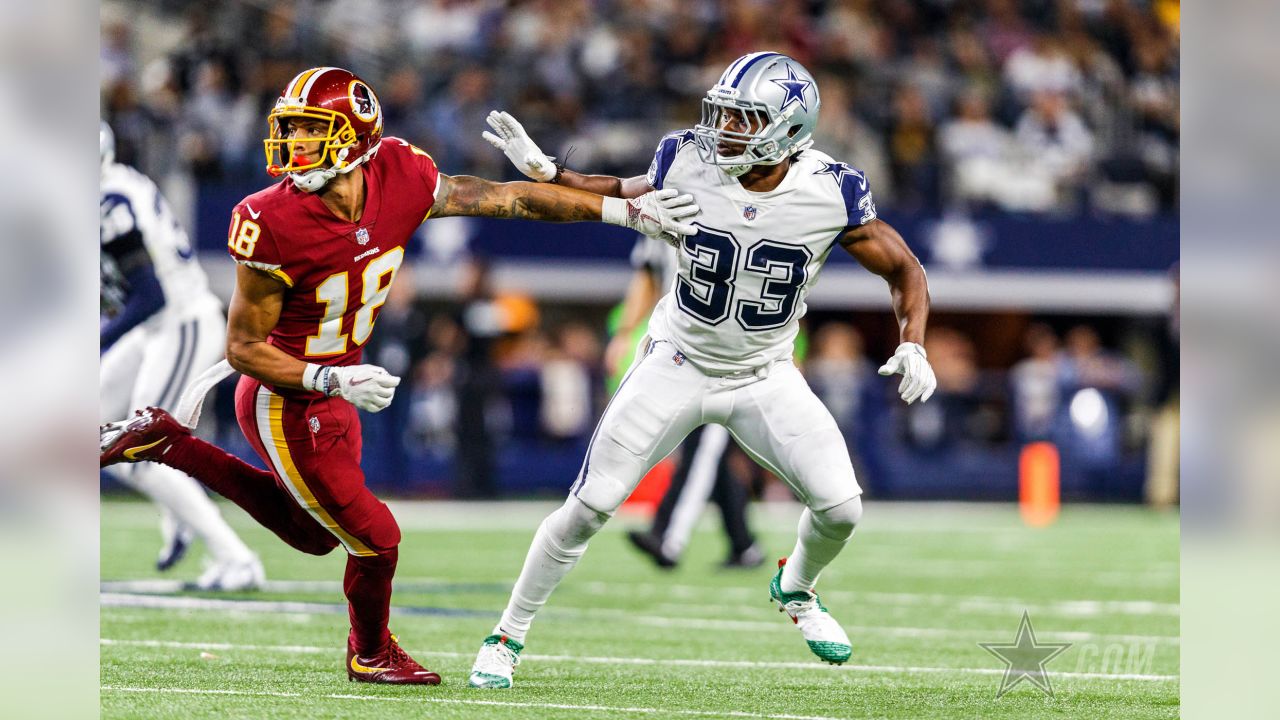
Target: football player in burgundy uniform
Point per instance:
(317, 254)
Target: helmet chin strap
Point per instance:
(312, 180)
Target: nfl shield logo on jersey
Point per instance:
(749, 212)
(362, 236)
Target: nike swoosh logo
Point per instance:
(252, 214)
(357, 667)
(133, 452)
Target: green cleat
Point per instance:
(826, 638)
(498, 657)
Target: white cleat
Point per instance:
(497, 660)
(233, 576)
(824, 635)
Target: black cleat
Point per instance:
(651, 545)
(752, 557)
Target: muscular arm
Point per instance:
(254, 313)
(467, 195)
(880, 249)
(607, 185)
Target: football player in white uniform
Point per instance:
(161, 326)
(720, 342)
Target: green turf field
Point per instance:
(919, 587)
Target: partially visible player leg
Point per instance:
(730, 495)
(195, 343)
(118, 374)
(703, 467)
(675, 502)
(655, 407)
(153, 435)
(785, 427)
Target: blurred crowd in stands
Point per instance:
(1037, 106)
(1042, 106)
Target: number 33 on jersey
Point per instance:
(338, 273)
(743, 278)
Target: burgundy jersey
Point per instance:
(337, 272)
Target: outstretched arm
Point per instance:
(664, 211)
(880, 249)
(468, 195)
(510, 137)
(606, 185)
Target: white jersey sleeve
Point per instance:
(742, 280)
(131, 206)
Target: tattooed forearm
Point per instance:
(466, 195)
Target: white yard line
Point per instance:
(289, 607)
(953, 602)
(672, 662)
(458, 701)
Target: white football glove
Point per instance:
(918, 382)
(520, 149)
(368, 387)
(661, 213)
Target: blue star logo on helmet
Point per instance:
(794, 88)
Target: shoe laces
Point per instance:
(498, 655)
(398, 656)
(800, 606)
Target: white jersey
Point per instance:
(739, 292)
(132, 205)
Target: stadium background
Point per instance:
(1027, 151)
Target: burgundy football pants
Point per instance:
(315, 497)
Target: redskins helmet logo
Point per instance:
(363, 102)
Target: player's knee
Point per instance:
(371, 522)
(573, 524)
(384, 532)
(839, 521)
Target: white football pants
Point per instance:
(772, 414)
(149, 366)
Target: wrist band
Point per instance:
(560, 166)
(614, 211)
(317, 378)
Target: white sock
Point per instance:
(822, 535)
(186, 500)
(559, 543)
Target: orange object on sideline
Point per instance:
(649, 492)
(1039, 495)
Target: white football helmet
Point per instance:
(778, 100)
